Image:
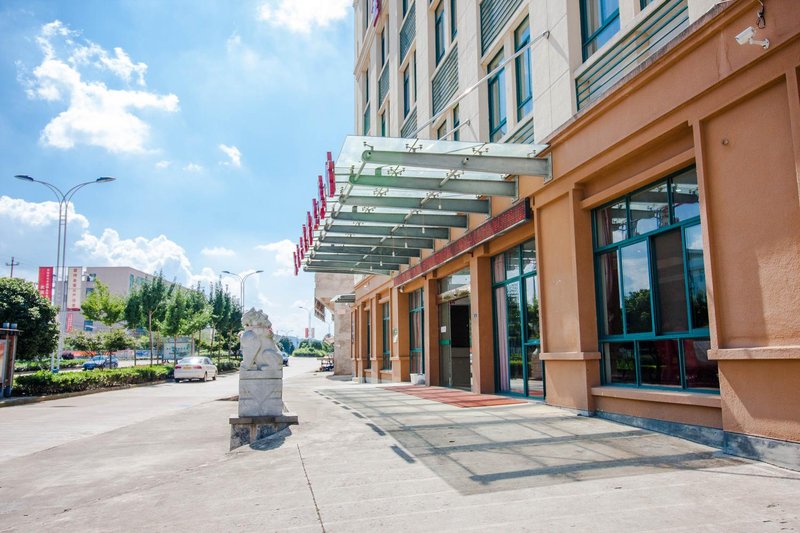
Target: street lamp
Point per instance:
(242, 279)
(61, 254)
(308, 331)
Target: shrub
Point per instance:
(309, 352)
(43, 382)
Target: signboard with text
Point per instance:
(45, 284)
(319, 310)
(74, 287)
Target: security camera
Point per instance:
(746, 37)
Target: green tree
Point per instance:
(21, 304)
(146, 306)
(102, 306)
(198, 314)
(286, 345)
(174, 322)
(83, 342)
(115, 340)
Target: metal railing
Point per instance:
(654, 32)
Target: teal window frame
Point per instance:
(522, 70)
(497, 83)
(416, 346)
(386, 361)
(384, 47)
(438, 31)
(453, 21)
(406, 92)
(365, 123)
(644, 3)
(441, 131)
(519, 280)
(590, 39)
(405, 7)
(456, 123)
(692, 332)
(384, 123)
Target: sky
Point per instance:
(213, 116)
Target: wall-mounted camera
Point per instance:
(746, 37)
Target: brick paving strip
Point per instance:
(455, 397)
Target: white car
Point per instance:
(195, 368)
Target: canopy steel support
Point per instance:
(476, 163)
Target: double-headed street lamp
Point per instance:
(64, 199)
(242, 279)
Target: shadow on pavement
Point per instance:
(489, 449)
(272, 442)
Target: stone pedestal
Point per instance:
(261, 392)
(246, 430)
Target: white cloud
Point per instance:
(163, 164)
(96, 115)
(193, 167)
(37, 215)
(283, 251)
(148, 255)
(233, 153)
(218, 251)
(303, 16)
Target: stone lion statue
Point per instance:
(259, 351)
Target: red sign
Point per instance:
(331, 175)
(69, 322)
(500, 224)
(46, 282)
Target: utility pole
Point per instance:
(12, 264)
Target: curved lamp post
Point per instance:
(308, 331)
(63, 199)
(242, 279)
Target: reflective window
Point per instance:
(387, 338)
(512, 262)
(456, 123)
(497, 99)
(522, 64)
(438, 31)
(652, 304)
(416, 318)
(528, 257)
(599, 22)
(406, 93)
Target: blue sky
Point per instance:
(214, 116)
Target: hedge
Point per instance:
(43, 382)
(309, 352)
(31, 366)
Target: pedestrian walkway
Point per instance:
(456, 397)
(365, 458)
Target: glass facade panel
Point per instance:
(497, 99)
(685, 196)
(512, 263)
(387, 339)
(535, 373)
(499, 268)
(456, 123)
(416, 319)
(662, 284)
(522, 36)
(611, 223)
(668, 251)
(610, 295)
(659, 363)
(531, 309)
(649, 210)
(528, 257)
(600, 22)
(620, 362)
(406, 93)
(514, 321)
(636, 284)
(701, 373)
(369, 340)
(438, 31)
(501, 336)
(697, 277)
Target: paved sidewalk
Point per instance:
(368, 459)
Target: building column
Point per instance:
(431, 332)
(376, 348)
(361, 344)
(480, 301)
(400, 336)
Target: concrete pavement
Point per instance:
(366, 459)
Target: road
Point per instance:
(27, 429)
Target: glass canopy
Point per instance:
(394, 197)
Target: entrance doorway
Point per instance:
(455, 339)
(455, 344)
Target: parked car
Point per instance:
(101, 361)
(67, 355)
(195, 368)
(285, 358)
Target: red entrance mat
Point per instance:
(455, 397)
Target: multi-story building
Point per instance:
(613, 225)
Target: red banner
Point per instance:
(329, 169)
(69, 322)
(46, 282)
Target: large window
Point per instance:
(441, 131)
(599, 22)
(497, 99)
(416, 330)
(453, 21)
(522, 38)
(652, 307)
(384, 40)
(365, 124)
(438, 31)
(516, 321)
(386, 361)
(384, 123)
(456, 123)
